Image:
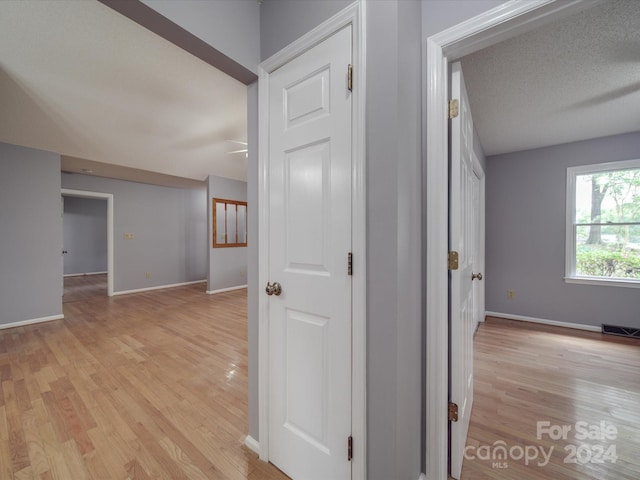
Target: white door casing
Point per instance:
(308, 173)
(462, 230)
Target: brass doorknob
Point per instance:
(273, 289)
(476, 275)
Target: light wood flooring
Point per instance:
(525, 373)
(154, 386)
(141, 386)
(84, 287)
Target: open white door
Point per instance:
(462, 231)
(478, 243)
(310, 323)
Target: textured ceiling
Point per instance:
(79, 79)
(574, 79)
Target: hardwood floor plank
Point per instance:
(37, 454)
(75, 461)
(112, 454)
(74, 426)
(136, 472)
(148, 386)
(56, 419)
(53, 448)
(160, 455)
(153, 385)
(84, 287)
(6, 467)
(96, 467)
(83, 414)
(526, 373)
(4, 426)
(24, 474)
(46, 476)
(15, 433)
(151, 420)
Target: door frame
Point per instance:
(505, 21)
(66, 192)
(353, 15)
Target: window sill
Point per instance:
(603, 282)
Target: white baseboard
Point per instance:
(83, 274)
(229, 289)
(543, 321)
(160, 287)
(252, 444)
(22, 323)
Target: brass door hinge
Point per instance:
(350, 263)
(453, 412)
(453, 108)
(350, 78)
(349, 448)
(452, 262)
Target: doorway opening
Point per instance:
(87, 253)
(84, 254)
(489, 28)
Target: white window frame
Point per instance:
(570, 253)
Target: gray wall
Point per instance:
(30, 234)
(409, 366)
(84, 235)
(169, 227)
(227, 266)
(525, 228)
(230, 26)
(283, 21)
(438, 15)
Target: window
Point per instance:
(603, 224)
(229, 223)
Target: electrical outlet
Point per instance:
(148, 274)
(129, 236)
(511, 294)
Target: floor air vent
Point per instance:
(621, 331)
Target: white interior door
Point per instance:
(478, 243)
(461, 239)
(309, 242)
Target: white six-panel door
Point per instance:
(478, 253)
(309, 177)
(462, 231)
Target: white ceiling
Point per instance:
(574, 79)
(80, 79)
